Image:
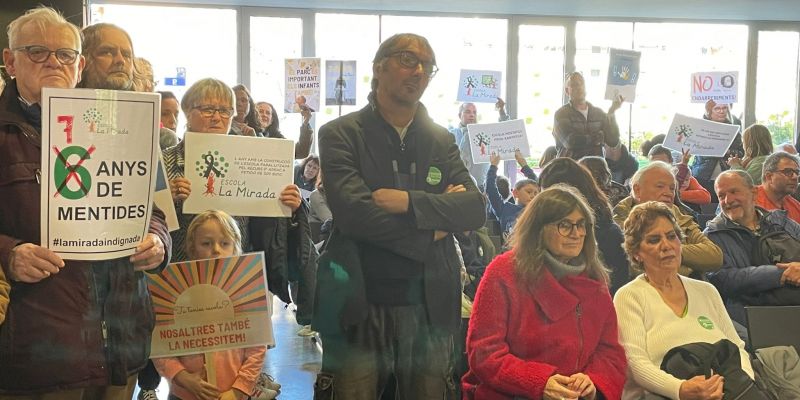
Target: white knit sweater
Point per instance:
(648, 329)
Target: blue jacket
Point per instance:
(739, 276)
(505, 211)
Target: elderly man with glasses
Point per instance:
(397, 190)
(779, 180)
(74, 329)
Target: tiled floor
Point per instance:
(294, 362)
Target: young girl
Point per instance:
(215, 234)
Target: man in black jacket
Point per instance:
(397, 190)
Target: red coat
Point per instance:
(518, 338)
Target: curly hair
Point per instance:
(639, 221)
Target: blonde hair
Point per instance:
(43, 17)
(528, 239)
(757, 141)
(228, 224)
(640, 219)
(208, 88)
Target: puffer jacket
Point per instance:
(88, 325)
(699, 254)
(741, 275)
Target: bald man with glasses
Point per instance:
(73, 329)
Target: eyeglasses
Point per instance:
(208, 111)
(40, 54)
(410, 60)
(789, 172)
(565, 227)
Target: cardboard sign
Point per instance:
(99, 167)
(210, 305)
(623, 74)
(302, 84)
(479, 86)
(503, 138)
(722, 87)
(340, 83)
(700, 136)
(240, 175)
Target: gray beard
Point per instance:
(94, 82)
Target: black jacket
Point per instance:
(356, 159)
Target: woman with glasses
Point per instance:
(542, 325)
(660, 309)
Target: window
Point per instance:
(347, 37)
(459, 43)
(181, 37)
(776, 84)
(540, 82)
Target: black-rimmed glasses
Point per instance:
(565, 227)
(410, 60)
(40, 54)
(789, 172)
(208, 111)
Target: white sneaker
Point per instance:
(147, 395)
(306, 331)
(267, 385)
(264, 394)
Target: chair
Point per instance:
(769, 326)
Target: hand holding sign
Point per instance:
(181, 188)
(30, 263)
(290, 197)
(149, 253)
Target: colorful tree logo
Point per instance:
(92, 117)
(482, 140)
(213, 165)
(683, 131)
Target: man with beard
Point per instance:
(397, 190)
(750, 276)
(109, 58)
(778, 182)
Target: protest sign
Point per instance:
(302, 84)
(210, 305)
(99, 165)
(722, 87)
(702, 137)
(163, 196)
(623, 73)
(340, 83)
(240, 175)
(479, 86)
(503, 138)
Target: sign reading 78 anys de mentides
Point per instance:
(99, 159)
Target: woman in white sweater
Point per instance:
(660, 310)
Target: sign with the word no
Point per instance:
(722, 87)
(99, 160)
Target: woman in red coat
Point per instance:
(543, 325)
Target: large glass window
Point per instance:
(776, 83)
(671, 52)
(272, 41)
(200, 42)
(592, 42)
(459, 43)
(347, 37)
(540, 88)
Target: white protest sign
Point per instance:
(623, 73)
(503, 138)
(163, 197)
(302, 84)
(700, 136)
(99, 160)
(240, 175)
(210, 305)
(479, 86)
(722, 87)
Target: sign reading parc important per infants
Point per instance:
(210, 305)
(99, 160)
(241, 175)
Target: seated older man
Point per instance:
(750, 276)
(655, 182)
(779, 181)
